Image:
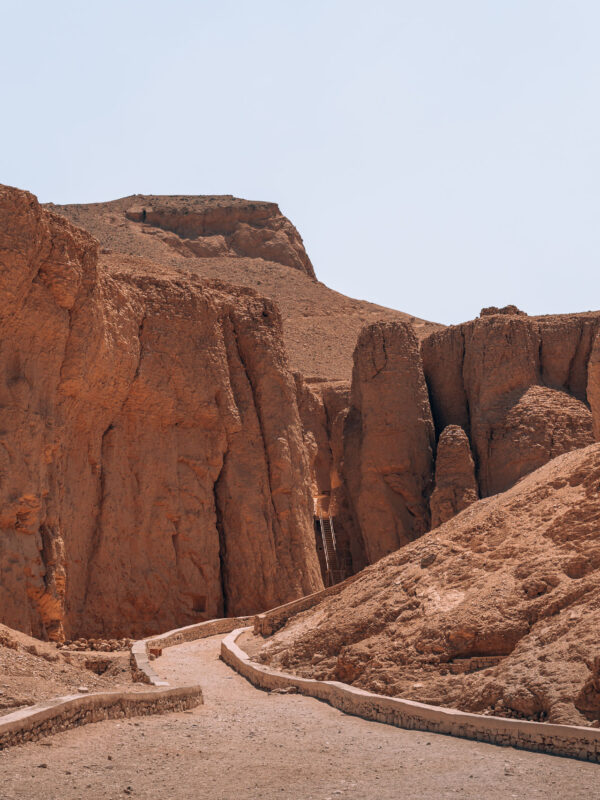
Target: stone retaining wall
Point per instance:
(270, 621)
(561, 740)
(62, 713)
(140, 659)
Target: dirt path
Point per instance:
(244, 743)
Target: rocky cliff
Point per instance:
(593, 386)
(222, 226)
(388, 439)
(506, 393)
(152, 470)
(251, 244)
(517, 385)
(455, 482)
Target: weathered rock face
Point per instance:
(152, 465)
(317, 435)
(323, 410)
(496, 611)
(222, 226)
(336, 400)
(507, 394)
(455, 482)
(516, 385)
(593, 386)
(388, 439)
(320, 326)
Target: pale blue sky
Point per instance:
(436, 155)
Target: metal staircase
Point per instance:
(333, 572)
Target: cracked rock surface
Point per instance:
(152, 467)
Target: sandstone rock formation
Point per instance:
(152, 466)
(496, 611)
(455, 483)
(323, 411)
(198, 236)
(388, 439)
(516, 385)
(222, 225)
(593, 386)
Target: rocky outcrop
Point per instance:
(152, 468)
(507, 393)
(455, 483)
(222, 226)
(323, 410)
(516, 385)
(593, 386)
(388, 439)
(320, 326)
(497, 611)
(313, 416)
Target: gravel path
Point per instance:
(244, 743)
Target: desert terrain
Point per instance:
(194, 427)
(246, 742)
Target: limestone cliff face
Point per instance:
(205, 227)
(516, 385)
(455, 482)
(593, 386)
(389, 439)
(507, 393)
(323, 411)
(152, 468)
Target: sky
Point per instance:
(436, 156)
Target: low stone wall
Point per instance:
(270, 621)
(62, 713)
(141, 668)
(560, 740)
(67, 712)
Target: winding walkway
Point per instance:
(244, 743)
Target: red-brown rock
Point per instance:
(496, 611)
(388, 439)
(481, 374)
(198, 237)
(323, 410)
(455, 483)
(593, 386)
(222, 225)
(152, 465)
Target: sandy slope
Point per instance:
(514, 577)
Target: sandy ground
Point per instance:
(32, 671)
(247, 743)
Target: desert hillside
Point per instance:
(249, 244)
(496, 611)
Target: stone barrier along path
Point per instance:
(270, 621)
(140, 658)
(61, 713)
(562, 740)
